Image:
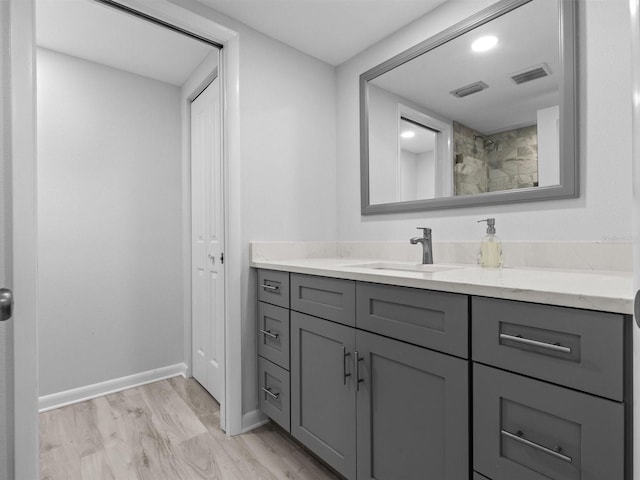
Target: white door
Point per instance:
(207, 237)
(18, 369)
(6, 327)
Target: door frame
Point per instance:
(634, 10)
(229, 69)
(22, 96)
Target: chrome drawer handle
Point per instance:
(269, 392)
(269, 334)
(535, 343)
(271, 288)
(519, 437)
(345, 354)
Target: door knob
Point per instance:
(6, 304)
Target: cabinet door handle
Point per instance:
(519, 437)
(270, 288)
(269, 334)
(535, 343)
(345, 354)
(269, 392)
(358, 379)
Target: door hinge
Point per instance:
(222, 258)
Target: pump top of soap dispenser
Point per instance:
(491, 225)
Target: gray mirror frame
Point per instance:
(569, 162)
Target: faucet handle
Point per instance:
(425, 231)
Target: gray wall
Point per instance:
(604, 150)
(109, 207)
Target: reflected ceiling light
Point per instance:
(408, 134)
(484, 43)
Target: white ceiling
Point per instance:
(92, 31)
(331, 30)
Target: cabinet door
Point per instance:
(412, 412)
(323, 402)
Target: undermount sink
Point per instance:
(407, 267)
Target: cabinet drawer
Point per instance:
(273, 287)
(273, 334)
(435, 320)
(532, 430)
(575, 348)
(274, 392)
(329, 298)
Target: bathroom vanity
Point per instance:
(449, 374)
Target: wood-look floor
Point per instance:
(165, 430)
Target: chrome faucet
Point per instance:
(427, 248)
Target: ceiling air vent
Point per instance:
(531, 73)
(469, 89)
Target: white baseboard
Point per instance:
(253, 419)
(77, 395)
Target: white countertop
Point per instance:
(588, 289)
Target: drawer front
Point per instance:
(273, 287)
(435, 320)
(274, 393)
(329, 298)
(532, 430)
(575, 348)
(273, 334)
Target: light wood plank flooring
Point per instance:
(165, 430)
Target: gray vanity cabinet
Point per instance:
(405, 407)
(323, 402)
(376, 380)
(527, 423)
(273, 346)
(412, 412)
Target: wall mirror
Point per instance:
(482, 113)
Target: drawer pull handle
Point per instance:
(535, 343)
(358, 379)
(269, 334)
(519, 437)
(269, 392)
(270, 288)
(345, 354)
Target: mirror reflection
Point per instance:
(483, 109)
(417, 160)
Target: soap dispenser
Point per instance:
(490, 247)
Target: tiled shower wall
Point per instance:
(471, 170)
(489, 163)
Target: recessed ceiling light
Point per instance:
(408, 134)
(484, 43)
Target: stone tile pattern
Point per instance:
(489, 163)
(471, 170)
